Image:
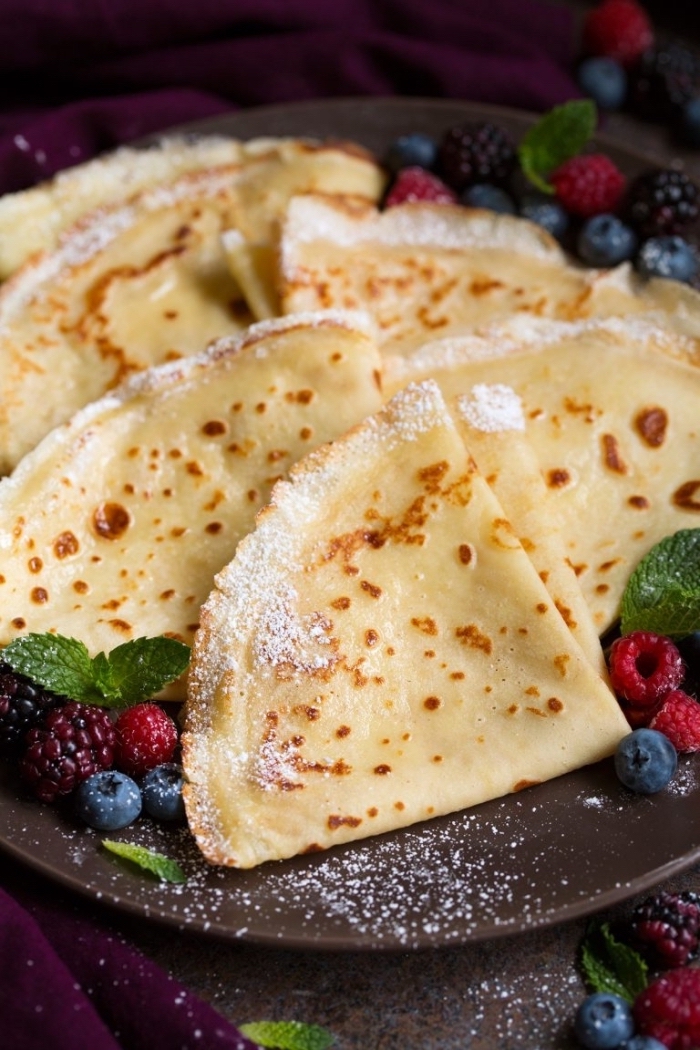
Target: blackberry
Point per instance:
(23, 705)
(663, 80)
(667, 928)
(661, 201)
(73, 742)
(471, 153)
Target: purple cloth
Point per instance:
(77, 79)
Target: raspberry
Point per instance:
(667, 927)
(661, 201)
(22, 706)
(589, 184)
(474, 153)
(416, 184)
(73, 742)
(644, 667)
(678, 718)
(669, 1009)
(146, 738)
(618, 29)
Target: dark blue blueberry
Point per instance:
(604, 80)
(162, 792)
(108, 800)
(546, 212)
(484, 195)
(645, 761)
(643, 1042)
(604, 240)
(690, 121)
(668, 256)
(411, 150)
(603, 1021)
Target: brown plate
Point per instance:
(555, 852)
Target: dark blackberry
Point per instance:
(661, 201)
(663, 80)
(23, 705)
(471, 153)
(73, 742)
(667, 928)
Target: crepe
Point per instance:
(611, 411)
(426, 271)
(114, 526)
(142, 282)
(380, 651)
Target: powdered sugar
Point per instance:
(492, 408)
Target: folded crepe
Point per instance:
(611, 412)
(426, 271)
(381, 650)
(114, 526)
(144, 281)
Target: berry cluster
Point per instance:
(647, 671)
(624, 66)
(599, 215)
(664, 930)
(111, 768)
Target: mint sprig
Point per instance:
(287, 1035)
(609, 965)
(556, 137)
(663, 592)
(132, 672)
(166, 869)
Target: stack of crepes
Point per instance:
(388, 472)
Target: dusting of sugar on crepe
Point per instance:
(492, 408)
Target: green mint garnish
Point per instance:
(559, 135)
(663, 592)
(608, 965)
(130, 673)
(158, 864)
(287, 1035)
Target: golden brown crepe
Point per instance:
(380, 650)
(144, 281)
(611, 410)
(426, 271)
(114, 526)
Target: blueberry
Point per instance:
(484, 195)
(162, 792)
(604, 80)
(645, 761)
(108, 800)
(604, 240)
(411, 150)
(668, 256)
(546, 212)
(690, 121)
(603, 1021)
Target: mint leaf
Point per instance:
(142, 667)
(559, 135)
(608, 965)
(663, 592)
(132, 672)
(158, 864)
(55, 662)
(287, 1035)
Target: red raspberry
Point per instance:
(678, 718)
(146, 737)
(589, 184)
(72, 743)
(618, 29)
(417, 184)
(644, 667)
(669, 1009)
